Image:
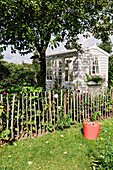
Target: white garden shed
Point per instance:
(68, 68)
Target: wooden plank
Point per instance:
(39, 115)
(46, 109)
(68, 101)
(103, 104)
(88, 104)
(43, 112)
(61, 97)
(100, 101)
(83, 94)
(31, 114)
(54, 109)
(65, 96)
(35, 114)
(27, 114)
(12, 135)
(74, 104)
(71, 106)
(18, 117)
(85, 108)
(107, 105)
(57, 109)
(77, 107)
(91, 104)
(1, 126)
(22, 112)
(50, 106)
(7, 126)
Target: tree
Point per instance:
(28, 25)
(110, 71)
(106, 45)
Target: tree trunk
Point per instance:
(42, 60)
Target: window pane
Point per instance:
(59, 81)
(66, 75)
(71, 76)
(48, 63)
(97, 69)
(55, 63)
(66, 63)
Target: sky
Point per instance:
(17, 58)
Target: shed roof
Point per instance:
(63, 52)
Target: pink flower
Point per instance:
(94, 76)
(46, 104)
(107, 81)
(5, 93)
(81, 101)
(100, 76)
(104, 75)
(74, 89)
(76, 97)
(16, 95)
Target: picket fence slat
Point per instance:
(43, 112)
(7, 126)
(18, 117)
(35, 114)
(22, 112)
(54, 109)
(46, 109)
(1, 114)
(27, 114)
(12, 116)
(39, 114)
(31, 114)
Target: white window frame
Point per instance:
(95, 65)
(57, 77)
(50, 69)
(70, 68)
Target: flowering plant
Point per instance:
(95, 78)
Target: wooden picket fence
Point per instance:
(31, 114)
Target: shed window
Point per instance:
(58, 72)
(68, 70)
(49, 70)
(94, 66)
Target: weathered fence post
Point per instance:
(1, 100)
(111, 94)
(12, 135)
(65, 94)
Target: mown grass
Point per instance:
(61, 150)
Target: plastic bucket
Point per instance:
(91, 130)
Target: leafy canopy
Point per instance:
(28, 25)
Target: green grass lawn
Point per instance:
(61, 150)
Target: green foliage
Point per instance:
(15, 78)
(104, 159)
(95, 115)
(64, 121)
(106, 46)
(95, 78)
(110, 71)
